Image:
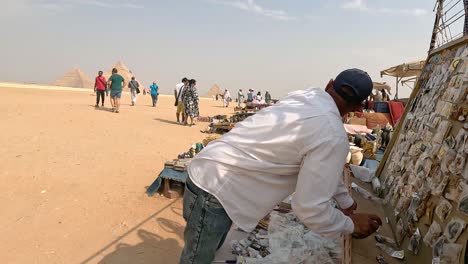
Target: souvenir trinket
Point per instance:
(463, 203)
(443, 209)
(454, 229)
(414, 242)
(398, 254)
(432, 234)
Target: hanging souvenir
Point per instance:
(449, 254)
(438, 246)
(413, 206)
(454, 189)
(429, 215)
(400, 231)
(463, 203)
(460, 140)
(432, 234)
(448, 160)
(457, 166)
(454, 229)
(442, 130)
(414, 242)
(443, 209)
(441, 187)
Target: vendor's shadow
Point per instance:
(167, 121)
(152, 249)
(171, 226)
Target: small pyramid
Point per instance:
(74, 78)
(214, 90)
(124, 71)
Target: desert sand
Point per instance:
(73, 178)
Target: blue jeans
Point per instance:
(154, 97)
(207, 225)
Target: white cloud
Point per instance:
(361, 6)
(253, 7)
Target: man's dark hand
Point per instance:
(365, 224)
(350, 210)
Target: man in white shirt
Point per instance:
(296, 146)
(178, 91)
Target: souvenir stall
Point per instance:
(424, 174)
(222, 124)
(172, 178)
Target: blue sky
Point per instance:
(274, 45)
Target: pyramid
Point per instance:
(214, 91)
(74, 78)
(124, 71)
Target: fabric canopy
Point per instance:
(382, 86)
(404, 70)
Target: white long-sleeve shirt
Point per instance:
(297, 145)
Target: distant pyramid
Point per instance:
(125, 72)
(214, 91)
(74, 78)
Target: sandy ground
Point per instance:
(73, 178)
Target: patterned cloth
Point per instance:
(190, 100)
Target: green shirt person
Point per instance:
(267, 97)
(116, 82)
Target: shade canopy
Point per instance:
(410, 69)
(382, 86)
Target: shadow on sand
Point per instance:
(167, 121)
(102, 108)
(152, 249)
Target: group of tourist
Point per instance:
(115, 84)
(253, 98)
(186, 100)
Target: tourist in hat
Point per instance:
(116, 82)
(267, 97)
(100, 86)
(226, 98)
(178, 91)
(134, 89)
(190, 100)
(154, 93)
(244, 175)
(240, 97)
(250, 96)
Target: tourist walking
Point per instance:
(250, 96)
(267, 97)
(116, 82)
(154, 93)
(100, 86)
(226, 98)
(190, 99)
(134, 90)
(241, 177)
(259, 97)
(240, 97)
(178, 91)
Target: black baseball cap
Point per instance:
(358, 80)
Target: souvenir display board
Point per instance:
(424, 174)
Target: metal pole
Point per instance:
(436, 24)
(396, 94)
